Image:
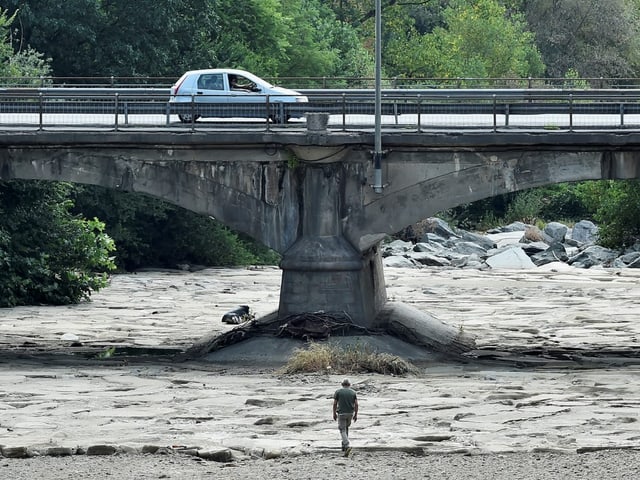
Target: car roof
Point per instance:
(231, 71)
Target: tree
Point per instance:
(478, 39)
(594, 37)
(617, 210)
(47, 255)
(168, 37)
(149, 232)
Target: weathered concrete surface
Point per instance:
(308, 195)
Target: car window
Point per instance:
(240, 83)
(211, 81)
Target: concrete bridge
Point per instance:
(308, 195)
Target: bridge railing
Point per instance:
(409, 109)
(324, 82)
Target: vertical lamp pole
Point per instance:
(377, 153)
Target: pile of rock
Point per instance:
(514, 246)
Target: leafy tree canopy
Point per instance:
(478, 39)
(47, 255)
(593, 37)
(168, 37)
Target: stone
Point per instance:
(69, 337)
(555, 253)
(265, 421)
(513, 258)
(59, 451)
(630, 258)
(481, 240)
(425, 258)
(468, 248)
(399, 262)
(223, 455)
(556, 230)
(439, 227)
(271, 454)
(102, 450)
(433, 238)
(397, 247)
(512, 227)
(15, 452)
(593, 255)
(585, 232)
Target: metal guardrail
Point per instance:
(396, 82)
(349, 108)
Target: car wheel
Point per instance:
(187, 118)
(276, 119)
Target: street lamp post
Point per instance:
(377, 152)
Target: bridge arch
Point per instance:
(418, 190)
(258, 198)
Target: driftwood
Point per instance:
(304, 326)
(423, 329)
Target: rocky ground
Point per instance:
(610, 465)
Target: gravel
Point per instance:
(607, 464)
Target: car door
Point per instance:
(210, 88)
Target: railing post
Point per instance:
(344, 112)
(571, 112)
(117, 107)
(268, 106)
(193, 112)
(495, 114)
(622, 114)
(419, 114)
(40, 112)
(530, 82)
(113, 81)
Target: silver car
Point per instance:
(225, 93)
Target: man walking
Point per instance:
(345, 409)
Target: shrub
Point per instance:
(322, 357)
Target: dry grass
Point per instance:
(323, 357)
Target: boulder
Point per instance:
(556, 230)
(397, 261)
(592, 256)
(439, 227)
(481, 240)
(555, 253)
(585, 232)
(430, 260)
(512, 258)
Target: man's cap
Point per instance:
(346, 382)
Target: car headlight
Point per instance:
(302, 100)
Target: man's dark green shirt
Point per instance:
(346, 398)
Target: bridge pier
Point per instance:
(322, 270)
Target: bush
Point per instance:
(323, 357)
(48, 255)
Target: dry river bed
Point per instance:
(550, 392)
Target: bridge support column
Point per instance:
(322, 271)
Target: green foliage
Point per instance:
(149, 232)
(594, 37)
(167, 37)
(25, 62)
(526, 207)
(617, 210)
(48, 255)
(478, 39)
